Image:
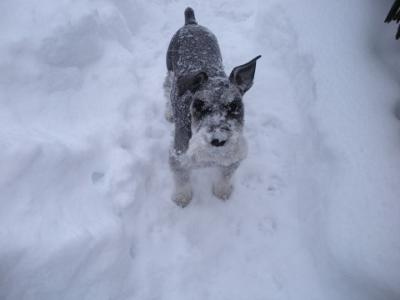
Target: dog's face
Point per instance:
(217, 110)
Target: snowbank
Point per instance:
(85, 185)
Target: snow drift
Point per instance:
(84, 185)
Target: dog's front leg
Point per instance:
(182, 194)
(183, 189)
(222, 187)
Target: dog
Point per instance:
(206, 108)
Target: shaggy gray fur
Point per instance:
(205, 106)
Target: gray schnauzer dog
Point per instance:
(206, 108)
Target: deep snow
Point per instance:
(85, 210)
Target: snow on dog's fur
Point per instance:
(206, 107)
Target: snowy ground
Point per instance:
(84, 179)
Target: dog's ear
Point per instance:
(242, 76)
(191, 82)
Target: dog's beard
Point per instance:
(201, 153)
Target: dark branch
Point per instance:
(394, 15)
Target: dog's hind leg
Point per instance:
(223, 187)
(167, 93)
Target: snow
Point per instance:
(85, 210)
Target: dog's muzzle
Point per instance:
(219, 135)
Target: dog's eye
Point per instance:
(200, 108)
(234, 107)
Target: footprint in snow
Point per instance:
(267, 225)
(97, 176)
(275, 185)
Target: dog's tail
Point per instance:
(189, 16)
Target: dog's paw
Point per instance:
(182, 197)
(222, 190)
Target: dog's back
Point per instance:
(194, 48)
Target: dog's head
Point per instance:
(216, 110)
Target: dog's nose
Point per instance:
(217, 142)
